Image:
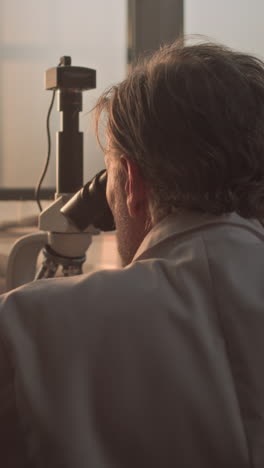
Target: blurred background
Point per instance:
(107, 35)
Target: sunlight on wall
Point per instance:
(33, 36)
(236, 23)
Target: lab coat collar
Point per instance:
(178, 224)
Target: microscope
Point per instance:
(78, 212)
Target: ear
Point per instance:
(135, 188)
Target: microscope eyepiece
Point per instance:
(89, 205)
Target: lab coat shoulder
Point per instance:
(86, 301)
(113, 345)
(90, 292)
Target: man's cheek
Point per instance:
(109, 193)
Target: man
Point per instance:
(157, 364)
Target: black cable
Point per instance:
(38, 187)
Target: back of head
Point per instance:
(192, 117)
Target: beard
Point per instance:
(127, 243)
(129, 233)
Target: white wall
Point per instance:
(236, 23)
(33, 36)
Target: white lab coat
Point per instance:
(157, 365)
